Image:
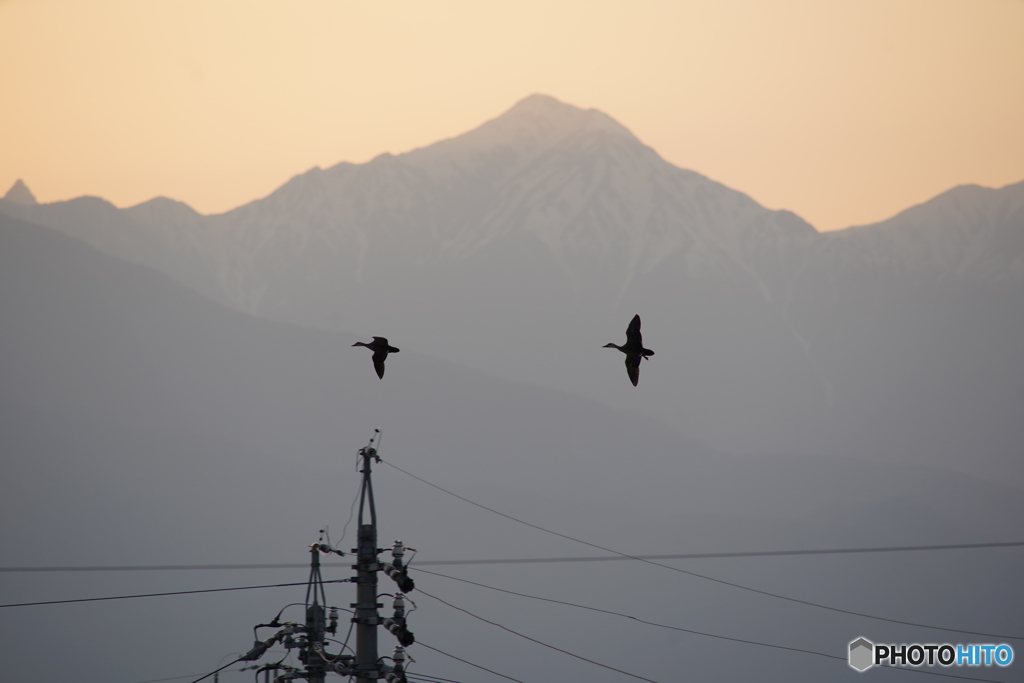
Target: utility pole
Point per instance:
(366, 616)
(366, 666)
(316, 624)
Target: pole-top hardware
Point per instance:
(326, 548)
(309, 636)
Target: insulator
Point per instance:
(399, 604)
(398, 552)
(398, 655)
(257, 651)
(343, 668)
(399, 630)
(399, 576)
(333, 614)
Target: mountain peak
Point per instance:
(544, 116)
(20, 194)
(539, 104)
(533, 124)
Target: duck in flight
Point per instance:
(634, 349)
(381, 349)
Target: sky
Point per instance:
(845, 111)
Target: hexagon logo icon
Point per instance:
(862, 654)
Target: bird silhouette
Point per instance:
(381, 349)
(634, 349)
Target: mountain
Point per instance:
(543, 176)
(970, 233)
(520, 247)
(20, 194)
(142, 424)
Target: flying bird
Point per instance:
(634, 349)
(381, 349)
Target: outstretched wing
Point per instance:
(633, 331)
(633, 368)
(378, 362)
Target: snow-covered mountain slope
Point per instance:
(576, 181)
(522, 246)
(601, 206)
(968, 232)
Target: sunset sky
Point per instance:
(844, 111)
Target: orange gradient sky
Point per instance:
(844, 111)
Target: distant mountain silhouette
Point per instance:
(545, 227)
(20, 194)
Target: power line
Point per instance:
(217, 670)
(538, 560)
(157, 595)
(696, 575)
(483, 668)
(428, 678)
(502, 590)
(534, 640)
(154, 567)
(627, 616)
(744, 553)
(705, 556)
(677, 628)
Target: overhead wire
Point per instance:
(427, 677)
(534, 640)
(351, 512)
(347, 636)
(465, 661)
(157, 595)
(626, 616)
(743, 553)
(178, 678)
(695, 574)
(667, 626)
(217, 670)
(536, 560)
(617, 556)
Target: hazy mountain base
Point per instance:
(144, 425)
(522, 246)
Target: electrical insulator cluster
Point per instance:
(309, 638)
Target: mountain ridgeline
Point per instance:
(520, 247)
